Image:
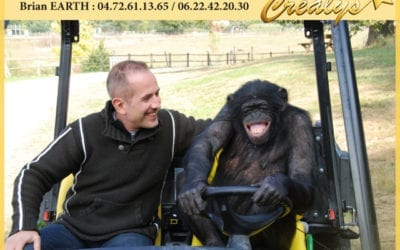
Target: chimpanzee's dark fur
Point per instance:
(280, 161)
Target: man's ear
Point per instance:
(119, 106)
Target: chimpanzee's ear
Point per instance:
(283, 94)
(230, 98)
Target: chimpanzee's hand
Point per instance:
(190, 200)
(272, 190)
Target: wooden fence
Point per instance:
(47, 65)
(179, 60)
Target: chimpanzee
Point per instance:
(265, 142)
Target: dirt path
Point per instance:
(29, 122)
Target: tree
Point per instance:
(33, 26)
(171, 27)
(97, 61)
(81, 50)
(378, 29)
(38, 26)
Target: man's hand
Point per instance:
(18, 240)
(190, 201)
(271, 191)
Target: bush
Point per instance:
(97, 61)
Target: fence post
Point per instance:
(187, 60)
(252, 53)
(208, 59)
(166, 59)
(151, 60)
(227, 58)
(170, 60)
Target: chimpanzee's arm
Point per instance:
(198, 161)
(302, 161)
(297, 184)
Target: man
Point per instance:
(119, 157)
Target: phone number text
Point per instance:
(172, 6)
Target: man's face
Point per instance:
(140, 109)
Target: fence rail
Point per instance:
(47, 65)
(165, 59)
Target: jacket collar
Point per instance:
(115, 129)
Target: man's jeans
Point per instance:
(56, 236)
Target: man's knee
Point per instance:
(55, 236)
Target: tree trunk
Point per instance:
(372, 35)
(379, 29)
(388, 28)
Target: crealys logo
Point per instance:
(273, 9)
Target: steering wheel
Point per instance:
(230, 222)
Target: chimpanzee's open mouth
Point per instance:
(257, 129)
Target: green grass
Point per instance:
(210, 90)
(374, 71)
